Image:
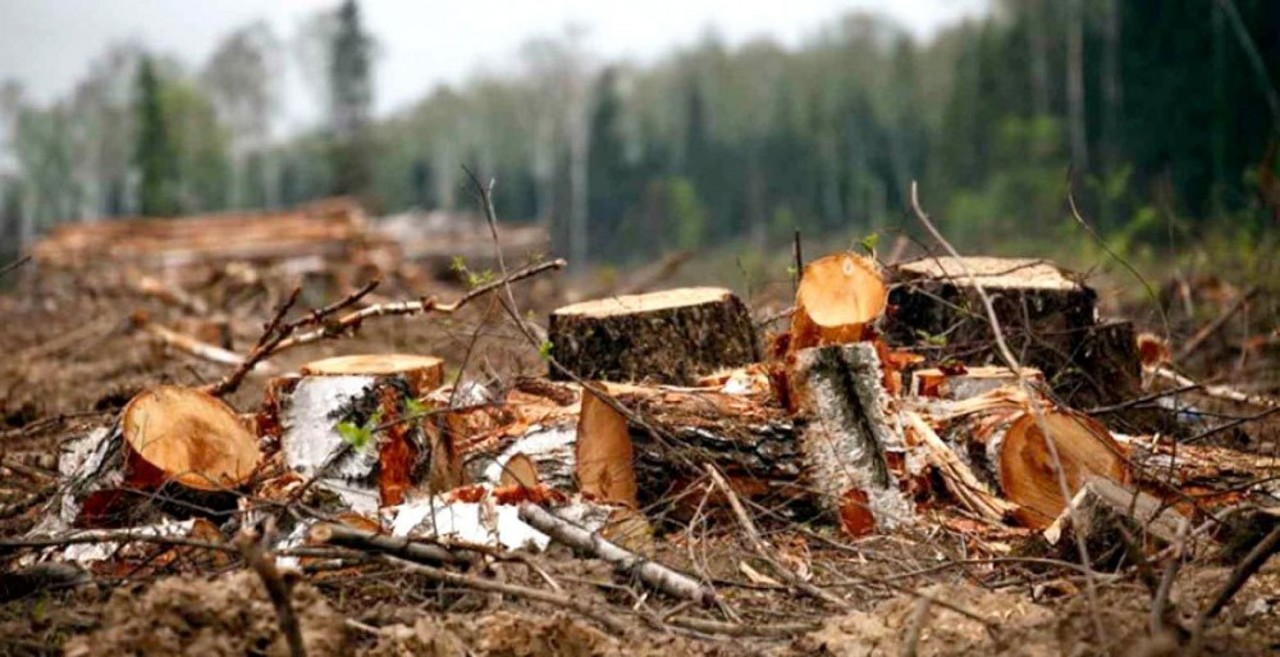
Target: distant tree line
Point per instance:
(1163, 111)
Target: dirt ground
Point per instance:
(73, 358)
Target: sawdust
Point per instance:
(228, 616)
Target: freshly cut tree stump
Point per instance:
(672, 337)
(353, 422)
(1047, 316)
(1007, 443)
(852, 427)
(422, 373)
(192, 444)
(839, 299)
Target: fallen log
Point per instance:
(852, 426)
(1004, 436)
(673, 336)
(353, 423)
(192, 445)
(839, 299)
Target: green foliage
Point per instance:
(351, 99)
(154, 153)
(360, 435)
(545, 349)
(688, 213)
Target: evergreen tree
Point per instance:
(351, 95)
(154, 155)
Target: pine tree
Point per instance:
(351, 95)
(154, 155)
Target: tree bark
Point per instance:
(670, 337)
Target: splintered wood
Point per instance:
(673, 336)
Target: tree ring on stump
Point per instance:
(1026, 468)
(184, 435)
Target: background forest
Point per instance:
(1165, 113)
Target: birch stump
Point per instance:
(673, 337)
(190, 444)
(355, 423)
(851, 429)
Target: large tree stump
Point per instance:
(852, 427)
(673, 337)
(1006, 442)
(190, 444)
(839, 299)
(1048, 319)
(355, 422)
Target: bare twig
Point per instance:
(652, 573)
(277, 589)
(1161, 599)
(1216, 325)
(271, 335)
(762, 549)
(919, 618)
(404, 548)
(1239, 576)
(15, 264)
(583, 607)
(799, 261)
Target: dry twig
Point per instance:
(277, 589)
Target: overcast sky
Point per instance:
(48, 44)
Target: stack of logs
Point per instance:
(834, 419)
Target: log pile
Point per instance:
(174, 249)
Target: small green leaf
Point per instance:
(457, 264)
(544, 350)
(357, 436)
(870, 241)
(416, 408)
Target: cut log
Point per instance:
(852, 427)
(673, 337)
(355, 423)
(189, 443)
(1007, 444)
(1046, 316)
(838, 300)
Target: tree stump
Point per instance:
(190, 444)
(1047, 317)
(852, 427)
(839, 298)
(355, 422)
(672, 337)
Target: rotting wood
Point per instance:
(851, 429)
(839, 299)
(673, 336)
